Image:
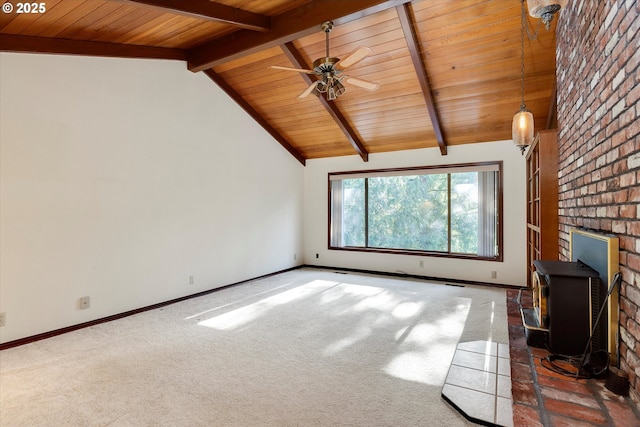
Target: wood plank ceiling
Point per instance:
(449, 71)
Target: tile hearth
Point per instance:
(543, 398)
(479, 383)
(506, 385)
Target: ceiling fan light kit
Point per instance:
(329, 69)
(330, 84)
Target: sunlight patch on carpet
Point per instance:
(248, 313)
(359, 335)
(407, 310)
(223, 306)
(426, 349)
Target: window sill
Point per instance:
(416, 253)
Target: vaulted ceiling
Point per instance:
(449, 70)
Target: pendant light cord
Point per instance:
(534, 36)
(523, 18)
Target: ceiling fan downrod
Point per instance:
(327, 26)
(325, 66)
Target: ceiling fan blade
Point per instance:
(299, 70)
(357, 55)
(365, 84)
(308, 90)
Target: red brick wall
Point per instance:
(598, 76)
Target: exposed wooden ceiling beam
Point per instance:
(407, 22)
(29, 44)
(298, 61)
(205, 9)
(285, 27)
(254, 114)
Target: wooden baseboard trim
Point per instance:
(49, 334)
(415, 276)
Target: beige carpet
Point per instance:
(303, 348)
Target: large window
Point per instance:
(446, 210)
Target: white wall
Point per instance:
(512, 271)
(120, 179)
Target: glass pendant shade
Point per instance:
(522, 128)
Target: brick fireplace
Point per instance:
(598, 91)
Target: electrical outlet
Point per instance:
(84, 303)
(494, 274)
(3, 319)
(192, 279)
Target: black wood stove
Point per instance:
(566, 299)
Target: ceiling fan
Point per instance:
(329, 70)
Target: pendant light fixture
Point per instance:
(545, 9)
(522, 127)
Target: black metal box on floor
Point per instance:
(572, 292)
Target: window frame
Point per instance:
(415, 252)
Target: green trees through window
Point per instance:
(444, 211)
